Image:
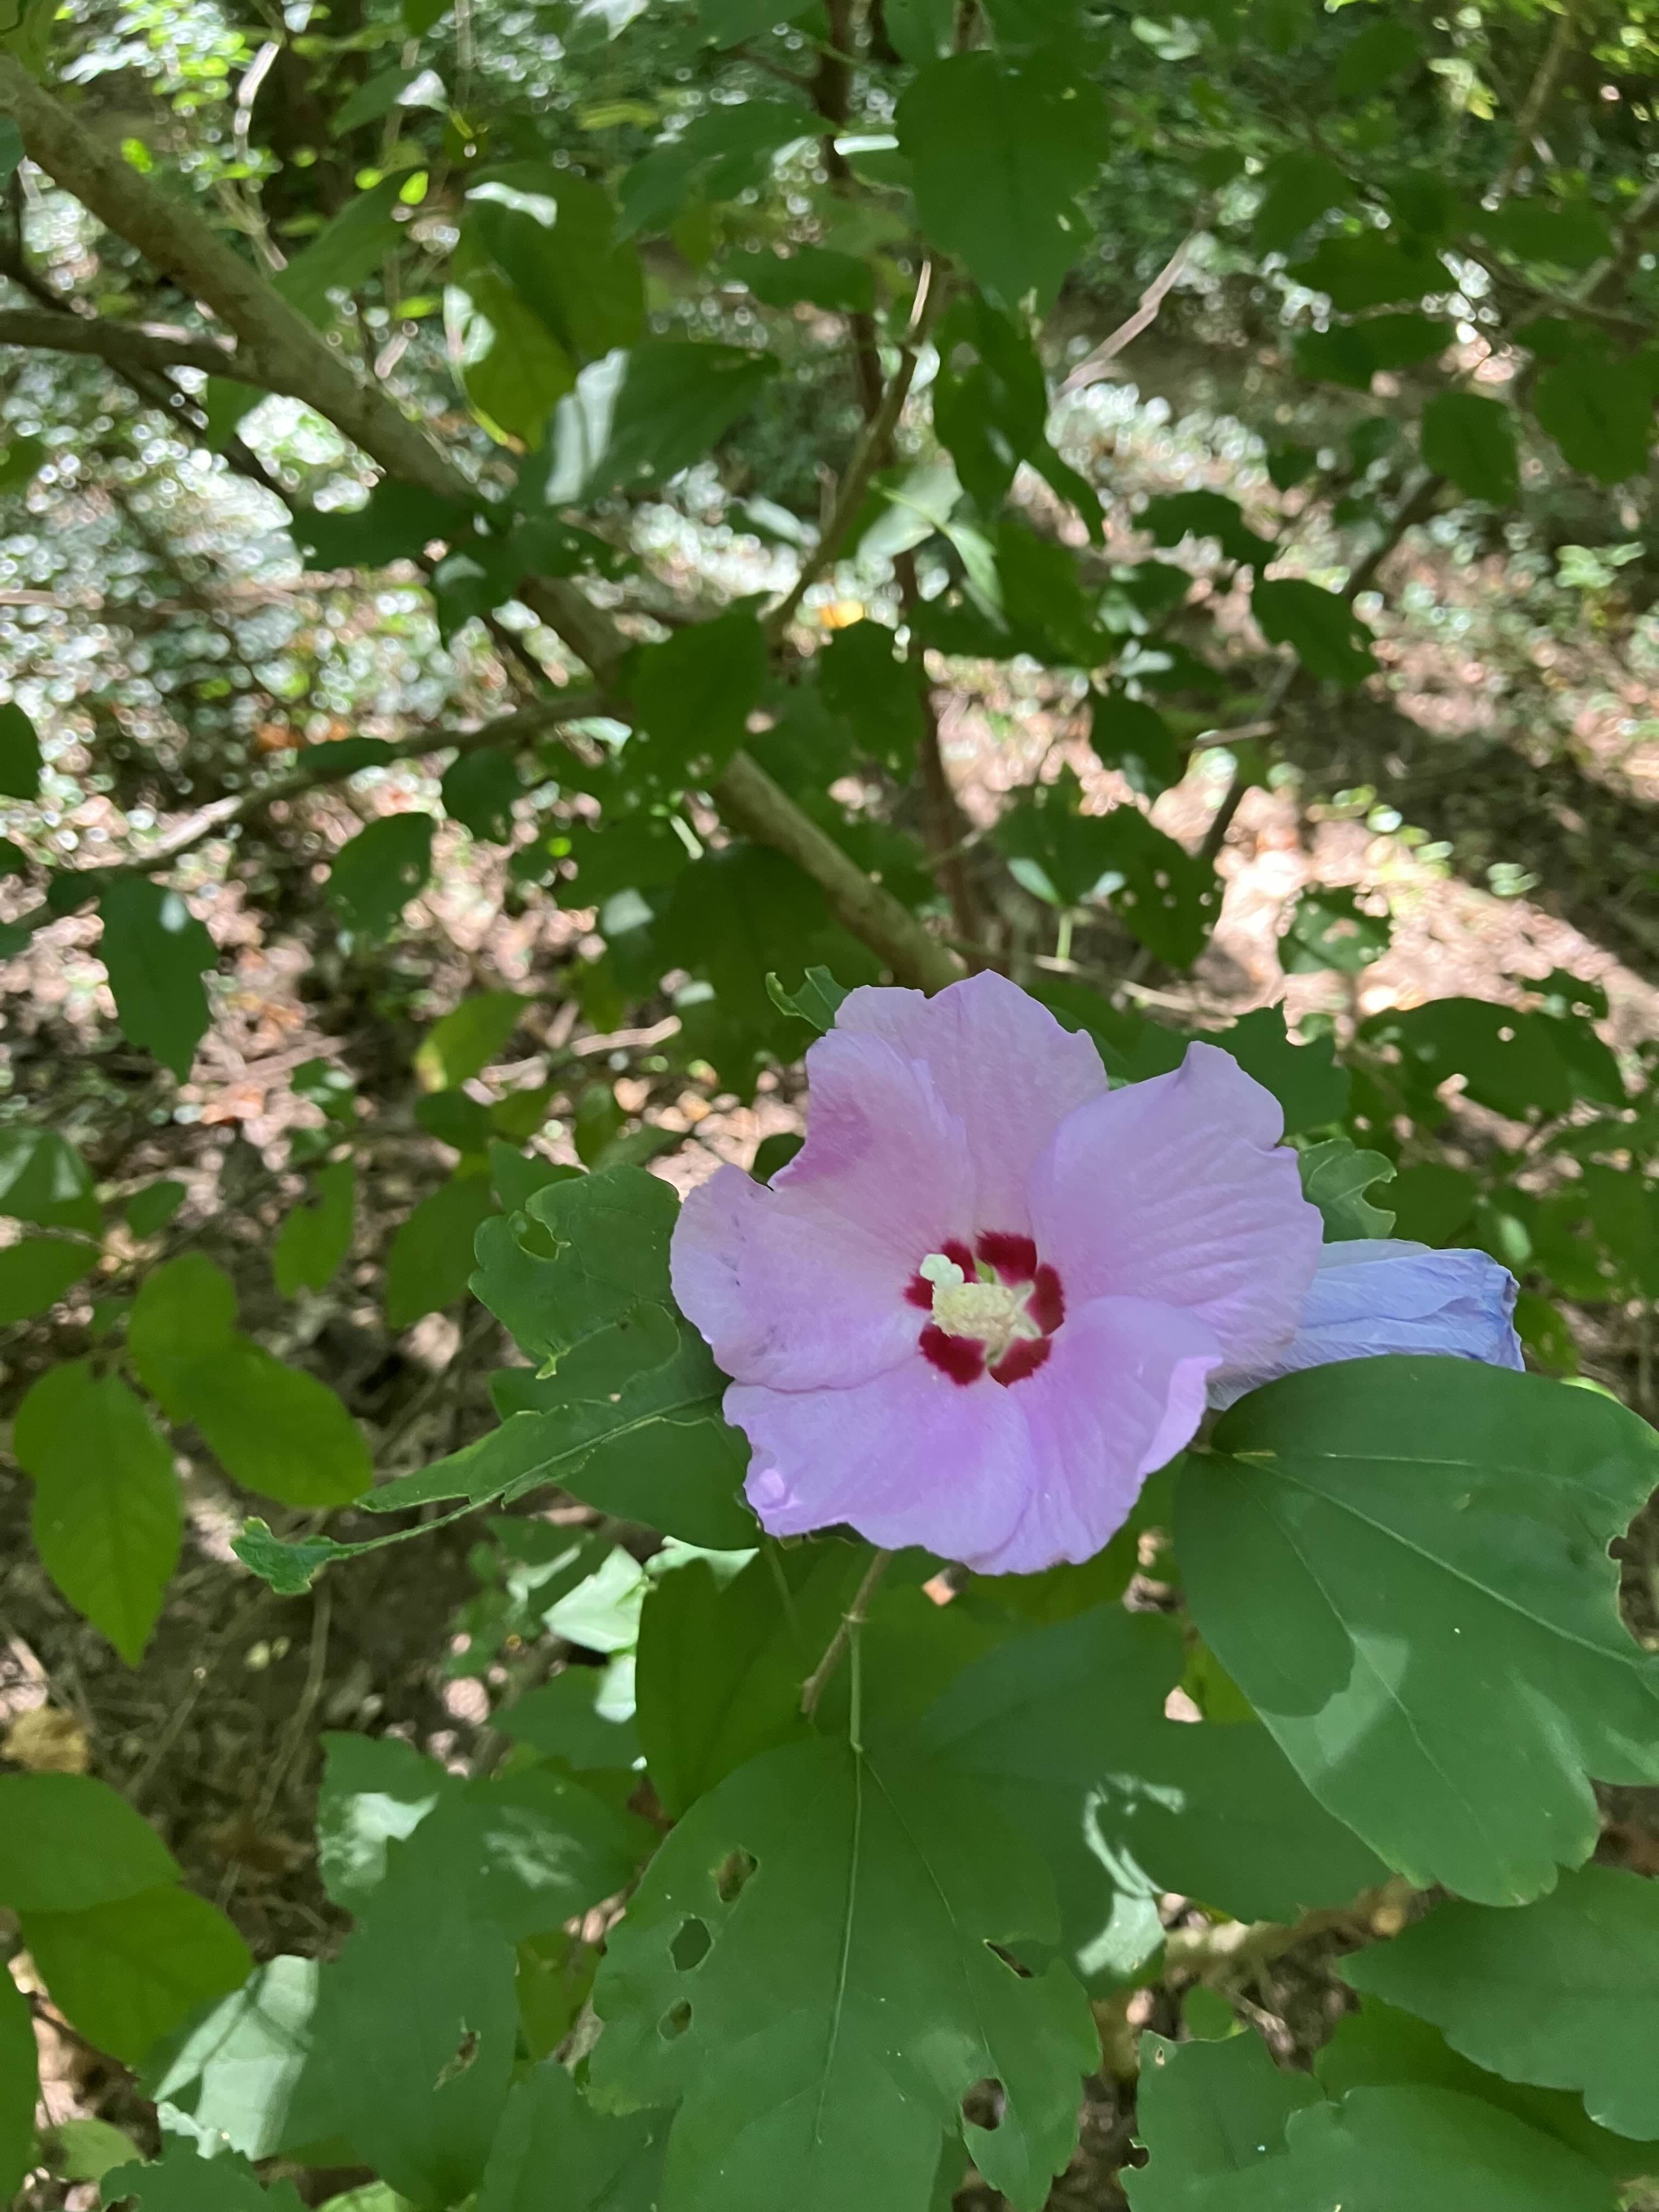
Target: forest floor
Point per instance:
(1540, 855)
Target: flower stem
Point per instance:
(846, 1633)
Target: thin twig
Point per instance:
(294, 1734)
(1532, 108)
(1094, 366)
(871, 452)
(850, 1622)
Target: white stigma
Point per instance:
(994, 1313)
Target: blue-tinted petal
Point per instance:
(1380, 1295)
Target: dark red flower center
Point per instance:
(993, 1309)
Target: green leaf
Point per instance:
(1305, 1079)
(1329, 929)
(469, 1038)
(1371, 268)
(289, 1568)
(863, 680)
(816, 1002)
(553, 2148)
(636, 418)
(128, 1973)
(695, 692)
(85, 2150)
(727, 150)
(818, 274)
(429, 1262)
(455, 1118)
(552, 236)
(412, 2046)
(1564, 236)
(20, 754)
(478, 790)
(1510, 1061)
(991, 409)
(729, 23)
(19, 2086)
(1335, 1177)
(396, 522)
(1123, 1802)
(1209, 2112)
(155, 952)
(721, 1663)
(182, 2180)
(106, 1517)
(1598, 407)
(885, 1885)
(1226, 2129)
(375, 1791)
(1380, 2046)
(350, 248)
(376, 875)
(1176, 516)
(585, 1253)
(68, 1843)
(1130, 735)
(1403, 1566)
(1432, 1201)
(229, 2081)
(1000, 152)
(1328, 637)
(561, 1720)
(45, 1181)
(275, 1429)
(1297, 189)
(35, 1273)
(185, 1312)
(312, 1243)
(1564, 1993)
(149, 1210)
(1383, 50)
(1471, 441)
(646, 1444)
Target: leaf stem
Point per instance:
(845, 1634)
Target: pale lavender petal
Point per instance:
(1178, 1190)
(908, 1457)
(1123, 1391)
(1381, 1294)
(802, 1284)
(1000, 1062)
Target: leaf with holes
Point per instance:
(1335, 1177)
(889, 1887)
(1403, 1565)
(106, 1517)
(578, 1258)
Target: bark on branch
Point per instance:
(153, 346)
(280, 351)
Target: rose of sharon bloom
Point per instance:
(1382, 1294)
(984, 1300)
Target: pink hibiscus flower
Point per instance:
(983, 1302)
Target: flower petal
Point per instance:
(1382, 1294)
(1177, 1191)
(1000, 1062)
(802, 1284)
(1123, 1391)
(908, 1457)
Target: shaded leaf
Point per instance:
(1471, 441)
(106, 1517)
(1404, 1567)
(312, 1243)
(374, 876)
(429, 1261)
(19, 753)
(1328, 637)
(35, 1273)
(885, 1885)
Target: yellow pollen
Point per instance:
(994, 1314)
